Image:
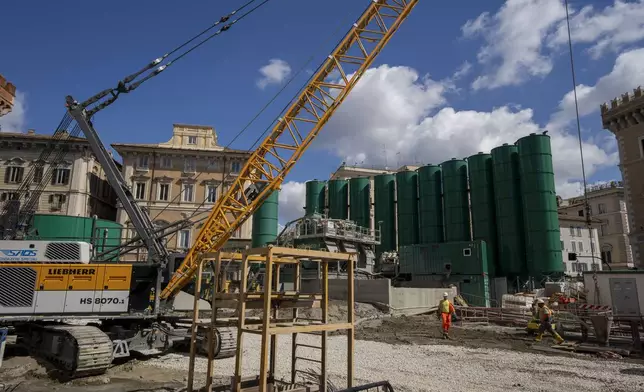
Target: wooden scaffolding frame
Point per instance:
(269, 326)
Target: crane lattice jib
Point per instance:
(295, 130)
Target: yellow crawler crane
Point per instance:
(295, 130)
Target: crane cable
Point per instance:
(132, 81)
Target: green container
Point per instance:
(482, 205)
(509, 211)
(543, 247)
(338, 195)
(360, 201)
(265, 221)
(315, 197)
(455, 201)
(430, 204)
(385, 211)
(468, 257)
(407, 203)
(103, 234)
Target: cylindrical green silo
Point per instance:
(482, 205)
(543, 247)
(430, 204)
(314, 197)
(338, 195)
(385, 211)
(265, 221)
(407, 203)
(360, 201)
(509, 210)
(455, 201)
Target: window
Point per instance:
(143, 162)
(235, 167)
(603, 229)
(38, 174)
(467, 252)
(60, 177)
(601, 208)
(578, 231)
(211, 193)
(166, 162)
(184, 239)
(580, 246)
(139, 190)
(13, 175)
(562, 245)
(188, 192)
(574, 246)
(592, 247)
(572, 231)
(580, 213)
(190, 165)
(164, 192)
(583, 266)
(57, 200)
(9, 196)
(213, 164)
(192, 140)
(607, 257)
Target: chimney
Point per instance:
(31, 131)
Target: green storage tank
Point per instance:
(315, 197)
(543, 247)
(103, 234)
(385, 211)
(455, 201)
(407, 203)
(265, 221)
(482, 205)
(360, 201)
(430, 204)
(509, 211)
(338, 195)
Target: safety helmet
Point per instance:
(445, 294)
(540, 301)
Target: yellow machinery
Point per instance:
(133, 301)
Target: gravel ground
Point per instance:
(439, 367)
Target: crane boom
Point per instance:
(269, 164)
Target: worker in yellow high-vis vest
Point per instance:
(445, 312)
(545, 318)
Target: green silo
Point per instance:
(315, 197)
(455, 201)
(360, 201)
(543, 247)
(265, 221)
(430, 204)
(509, 211)
(482, 205)
(385, 211)
(407, 203)
(338, 199)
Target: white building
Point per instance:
(576, 238)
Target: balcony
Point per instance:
(7, 96)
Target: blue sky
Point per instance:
(414, 106)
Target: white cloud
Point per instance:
(608, 29)
(275, 72)
(514, 40)
(15, 121)
(391, 109)
(462, 71)
(627, 73)
(291, 201)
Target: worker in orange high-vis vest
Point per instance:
(445, 312)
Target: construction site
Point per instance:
(447, 276)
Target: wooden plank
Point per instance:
(296, 286)
(351, 321)
(314, 255)
(325, 319)
(213, 323)
(263, 363)
(193, 333)
(241, 312)
(311, 328)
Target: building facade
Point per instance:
(576, 238)
(624, 117)
(74, 185)
(181, 178)
(7, 96)
(607, 203)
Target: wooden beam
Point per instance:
(194, 327)
(263, 363)
(351, 321)
(213, 323)
(241, 313)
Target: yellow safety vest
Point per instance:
(545, 313)
(444, 306)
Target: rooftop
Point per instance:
(563, 216)
(32, 135)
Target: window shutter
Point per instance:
(21, 171)
(6, 174)
(53, 177)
